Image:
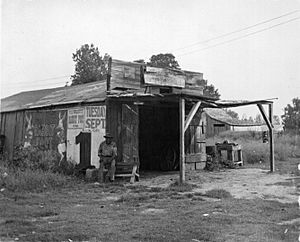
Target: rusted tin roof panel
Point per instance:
(84, 93)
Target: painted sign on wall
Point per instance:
(95, 118)
(46, 130)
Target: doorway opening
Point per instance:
(159, 138)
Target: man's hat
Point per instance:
(108, 135)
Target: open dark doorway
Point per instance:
(158, 138)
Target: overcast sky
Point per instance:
(38, 38)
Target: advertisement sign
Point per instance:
(76, 118)
(95, 118)
(89, 119)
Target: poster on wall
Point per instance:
(82, 121)
(46, 130)
(76, 118)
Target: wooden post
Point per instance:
(269, 123)
(272, 163)
(108, 74)
(181, 140)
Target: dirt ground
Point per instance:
(247, 204)
(246, 183)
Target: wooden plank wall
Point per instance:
(12, 127)
(124, 128)
(195, 139)
(164, 77)
(194, 83)
(130, 136)
(125, 75)
(114, 124)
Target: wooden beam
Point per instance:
(108, 81)
(191, 115)
(272, 160)
(263, 113)
(181, 140)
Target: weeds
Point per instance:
(218, 193)
(32, 180)
(255, 151)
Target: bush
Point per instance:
(32, 169)
(37, 159)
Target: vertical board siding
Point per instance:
(195, 139)
(19, 129)
(130, 120)
(114, 125)
(9, 132)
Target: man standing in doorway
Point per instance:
(107, 152)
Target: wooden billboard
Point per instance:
(155, 76)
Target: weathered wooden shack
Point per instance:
(56, 120)
(137, 104)
(218, 121)
(142, 113)
(155, 115)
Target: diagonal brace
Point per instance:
(191, 115)
(261, 109)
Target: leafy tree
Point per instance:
(291, 116)
(276, 119)
(210, 90)
(89, 65)
(164, 61)
(232, 114)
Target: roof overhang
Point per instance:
(206, 102)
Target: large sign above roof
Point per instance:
(155, 76)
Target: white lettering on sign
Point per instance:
(95, 118)
(76, 118)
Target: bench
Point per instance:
(128, 169)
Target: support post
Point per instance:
(108, 74)
(272, 163)
(269, 123)
(181, 140)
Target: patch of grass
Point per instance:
(218, 193)
(32, 180)
(140, 194)
(181, 187)
(133, 198)
(227, 220)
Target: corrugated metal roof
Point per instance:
(84, 93)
